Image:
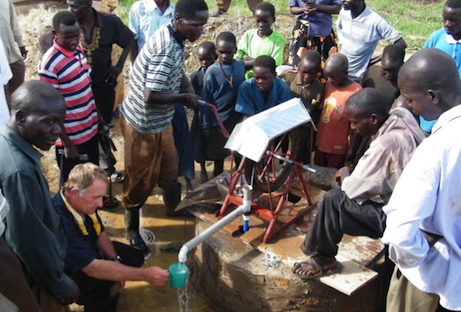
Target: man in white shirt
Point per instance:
(14, 46)
(5, 76)
(359, 30)
(146, 16)
(424, 213)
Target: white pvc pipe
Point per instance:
(245, 207)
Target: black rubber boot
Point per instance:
(172, 198)
(132, 229)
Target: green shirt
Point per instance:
(253, 45)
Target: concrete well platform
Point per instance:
(238, 272)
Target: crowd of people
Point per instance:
(387, 128)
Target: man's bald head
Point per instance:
(429, 68)
(35, 95)
(37, 113)
(430, 82)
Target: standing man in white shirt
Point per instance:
(424, 213)
(359, 30)
(146, 16)
(14, 46)
(5, 76)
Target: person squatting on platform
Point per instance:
(356, 207)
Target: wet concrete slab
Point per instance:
(231, 264)
(239, 276)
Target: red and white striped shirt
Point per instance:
(69, 73)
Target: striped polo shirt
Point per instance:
(158, 67)
(69, 73)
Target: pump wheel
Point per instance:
(269, 173)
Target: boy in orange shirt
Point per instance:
(333, 125)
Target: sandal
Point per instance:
(117, 177)
(109, 202)
(313, 268)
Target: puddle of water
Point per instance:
(168, 235)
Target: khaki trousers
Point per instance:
(47, 301)
(403, 296)
(150, 159)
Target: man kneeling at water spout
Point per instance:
(356, 208)
(98, 266)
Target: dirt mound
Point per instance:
(237, 24)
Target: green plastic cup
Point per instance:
(178, 275)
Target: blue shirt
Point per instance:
(426, 125)
(196, 80)
(250, 100)
(216, 90)
(145, 18)
(441, 40)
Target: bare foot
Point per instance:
(316, 267)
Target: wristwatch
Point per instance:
(116, 258)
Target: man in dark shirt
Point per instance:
(33, 229)
(96, 264)
(384, 77)
(100, 31)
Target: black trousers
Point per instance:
(338, 215)
(104, 97)
(101, 295)
(65, 165)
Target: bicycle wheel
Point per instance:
(269, 173)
